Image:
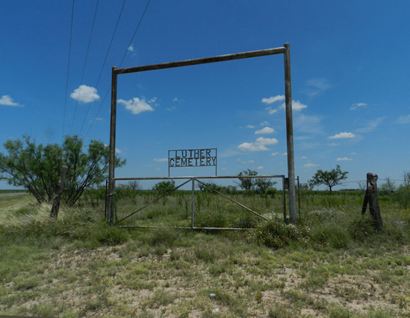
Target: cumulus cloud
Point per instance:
(137, 105)
(260, 144)
(356, 106)
(343, 135)
(250, 126)
(85, 94)
(7, 100)
(273, 99)
(252, 146)
(344, 159)
(296, 106)
(271, 111)
(131, 48)
(264, 131)
(403, 120)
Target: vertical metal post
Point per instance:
(111, 165)
(289, 136)
(193, 204)
(284, 199)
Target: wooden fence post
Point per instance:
(371, 200)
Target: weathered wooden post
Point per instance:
(109, 208)
(289, 137)
(371, 200)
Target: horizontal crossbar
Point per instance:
(203, 60)
(199, 178)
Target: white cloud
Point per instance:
(252, 146)
(344, 159)
(316, 86)
(131, 48)
(136, 105)
(403, 120)
(264, 131)
(343, 135)
(250, 126)
(356, 106)
(303, 157)
(274, 154)
(118, 150)
(266, 141)
(310, 165)
(296, 106)
(7, 100)
(273, 99)
(259, 168)
(85, 94)
(161, 159)
(260, 144)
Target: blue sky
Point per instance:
(350, 72)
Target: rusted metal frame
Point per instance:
(190, 177)
(203, 60)
(238, 203)
(289, 136)
(155, 201)
(111, 166)
(188, 228)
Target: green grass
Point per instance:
(333, 264)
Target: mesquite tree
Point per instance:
(54, 172)
(329, 178)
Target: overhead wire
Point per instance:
(68, 65)
(117, 22)
(84, 66)
(130, 42)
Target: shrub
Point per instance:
(162, 236)
(276, 234)
(331, 234)
(110, 235)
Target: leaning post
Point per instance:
(111, 163)
(289, 137)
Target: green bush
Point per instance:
(110, 235)
(276, 234)
(162, 236)
(331, 234)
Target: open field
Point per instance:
(331, 265)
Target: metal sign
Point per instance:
(189, 158)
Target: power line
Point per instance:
(68, 68)
(137, 27)
(105, 59)
(111, 42)
(87, 53)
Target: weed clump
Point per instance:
(276, 234)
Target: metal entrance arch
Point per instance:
(285, 50)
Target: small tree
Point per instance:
(262, 185)
(54, 172)
(164, 188)
(329, 178)
(388, 186)
(247, 183)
